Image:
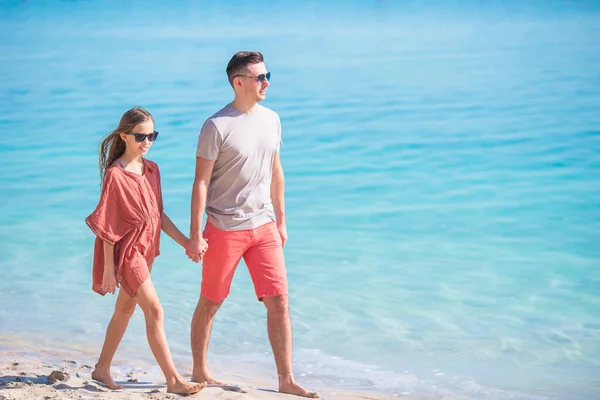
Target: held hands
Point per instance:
(109, 282)
(196, 248)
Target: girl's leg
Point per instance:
(124, 309)
(148, 301)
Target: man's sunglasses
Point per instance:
(260, 79)
(140, 137)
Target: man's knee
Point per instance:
(277, 304)
(209, 307)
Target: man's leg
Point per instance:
(201, 328)
(267, 268)
(224, 253)
(280, 335)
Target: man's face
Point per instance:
(253, 84)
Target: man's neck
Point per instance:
(244, 106)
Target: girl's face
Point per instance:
(132, 142)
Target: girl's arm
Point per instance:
(109, 283)
(170, 229)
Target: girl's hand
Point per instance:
(109, 282)
(196, 248)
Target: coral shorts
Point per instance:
(262, 251)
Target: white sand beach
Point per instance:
(29, 374)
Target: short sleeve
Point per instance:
(107, 220)
(209, 141)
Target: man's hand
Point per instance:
(283, 233)
(196, 248)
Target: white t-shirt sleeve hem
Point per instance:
(209, 141)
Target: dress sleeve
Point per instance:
(107, 221)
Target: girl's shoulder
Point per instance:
(115, 179)
(113, 172)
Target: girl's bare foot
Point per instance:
(105, 378)
(183, 387)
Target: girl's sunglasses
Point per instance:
(140, 137)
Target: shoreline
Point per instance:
(27, 372)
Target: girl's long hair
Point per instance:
(112, 146)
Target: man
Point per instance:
(239, 180)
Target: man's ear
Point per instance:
(237, 82)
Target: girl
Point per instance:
(127, 223)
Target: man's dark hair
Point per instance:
(240, 61)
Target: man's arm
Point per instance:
(277, 197)
(197, 245)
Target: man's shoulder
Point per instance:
(268, 111)
(221, 119)
(225, 112)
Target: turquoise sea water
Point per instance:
(442, 163)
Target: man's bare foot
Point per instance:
(206, 377)
(105, 378)
(183, 387)
(291, 387)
